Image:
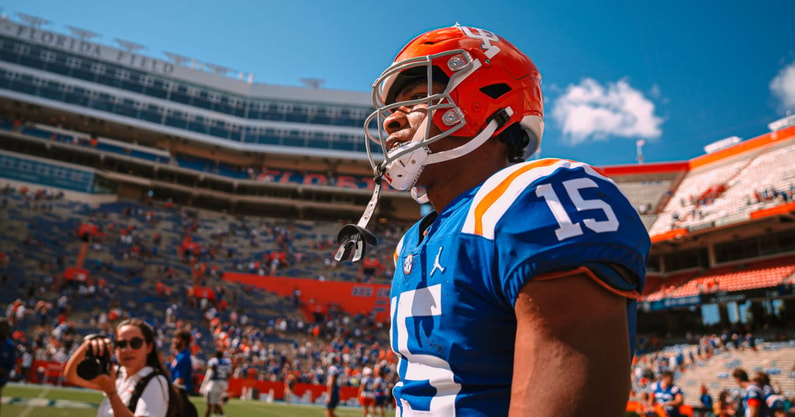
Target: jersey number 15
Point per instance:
(567, 228)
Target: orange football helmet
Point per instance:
(491, 87)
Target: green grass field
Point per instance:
(49, 401)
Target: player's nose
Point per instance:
(395, 121)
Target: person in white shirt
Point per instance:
(27, 363)
(215, 383)
(137, 355)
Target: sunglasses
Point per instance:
(135, 343)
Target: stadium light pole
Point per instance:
(82, 34)
(33, 21)
(639, 147)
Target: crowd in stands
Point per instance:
(734, 187)
(144, 260)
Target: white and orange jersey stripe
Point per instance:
(499, 192)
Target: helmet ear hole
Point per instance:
(495, 90)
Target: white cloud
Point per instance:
(783, 86)
(591, 111)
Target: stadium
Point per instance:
(183, 193)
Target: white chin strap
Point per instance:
(404, 171)
(468, 147)
(419, 195)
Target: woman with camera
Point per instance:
(135, 351)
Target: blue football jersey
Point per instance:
(663, 395)
(754, 396)
(222, 368)
(454, 288)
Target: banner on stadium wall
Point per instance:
(76, 274)
(743, 296)
(669, 303)
(203, 292)
(51, 372)
(719, 297)
(236, 386)
(316, 296)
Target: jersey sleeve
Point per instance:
(755, 398)
(555, 215)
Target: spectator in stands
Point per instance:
(667, 395)
(753, 399)
(8, 354)
(138, 357)
(181, 366)
(706, 400)
(750, 340)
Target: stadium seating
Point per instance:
(645, 196)
(683, 209)
(747, 182)
(733, 278)
(658, 287)
(715, 373)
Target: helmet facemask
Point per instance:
(403, 164)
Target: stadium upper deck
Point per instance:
(181, 97)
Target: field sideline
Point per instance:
(21, 400)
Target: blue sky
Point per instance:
(678, 74)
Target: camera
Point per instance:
(95, 363)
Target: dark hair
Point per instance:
(183, 335)
(153, 359)
(666, 373)
(516, 140)
(5, 329)
(740, 374)
(761, 378)
(724, 396)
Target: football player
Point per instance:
(517, 294)
(216, 383)
(667, 395)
